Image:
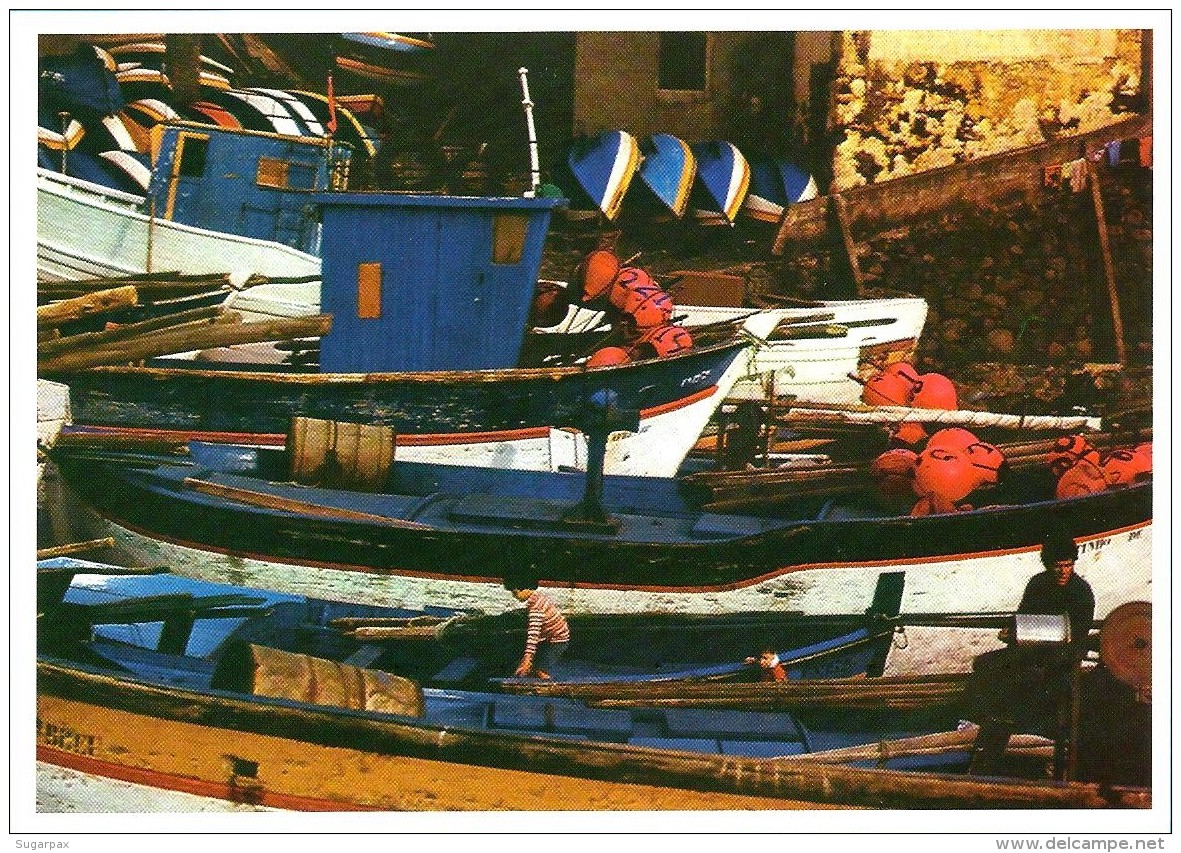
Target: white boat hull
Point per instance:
(1117, 565)
(88, 231)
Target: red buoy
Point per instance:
(649, 307)
(664, 340)
(909, 432)
(595, 274)
(896, 385)
(1084, 477)
(935, 391)
(1123, 467)
(627, 280)
(893, 471)
(607, 356)
(1068, 451)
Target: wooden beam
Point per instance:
(1117, 322)
(840, 210)
(83, 306)
(74, 548)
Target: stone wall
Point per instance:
(908, 101)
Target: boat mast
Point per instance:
(528, 105)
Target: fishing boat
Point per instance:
(600, 169)
(723, 181)
(189, 220)
(666, 173)
(434, 355)
(439, 534)
(774, 184)
(260, 699)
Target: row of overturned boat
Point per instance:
(372, 487)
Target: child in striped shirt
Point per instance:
(547, 634)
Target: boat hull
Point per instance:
(88, 231)
(290, 755)
(457, 554)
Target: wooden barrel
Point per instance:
(264, 671)
(341, 455)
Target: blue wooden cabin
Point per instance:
(428, 282)
(244, 182)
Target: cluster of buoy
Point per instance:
(952, 466)
(1081, 469)
(639, 309)
(900, 384)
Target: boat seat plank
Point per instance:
(687, 744)
(514, 512)
(519, 715)
(761, 748)
(699, 722)
(182, 671)
(599, 721)
(457, 670)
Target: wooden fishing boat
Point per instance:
(602, 166)
(433, 356)
(258, 699)
(447, 534)
(774, 184)
(666, 173)
(723, 181)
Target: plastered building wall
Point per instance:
(911, 100)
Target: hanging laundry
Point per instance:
(1078, 174)
(1146, 152)
(1113, 152)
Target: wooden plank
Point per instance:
(840, 210)
(1117, 322)
(203, 337)
(75, 548)
(268, 501)
(84, 306)
(130, 330)
(877, 208)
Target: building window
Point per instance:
(682, 62)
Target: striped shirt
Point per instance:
(546, 624)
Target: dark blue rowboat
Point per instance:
(603, 166)
(774, 184)
(264, 699)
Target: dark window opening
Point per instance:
(192, 157)
(682, 61)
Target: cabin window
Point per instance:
(192, 156)
(508, 237)
(368, 291)
(682, 62)
(272, 173)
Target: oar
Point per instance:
(939, 743)
(75, 548)
(268, 501)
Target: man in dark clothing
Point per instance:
(1030, 686)
(1058, 590)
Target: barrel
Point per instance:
(278, 674)
(341, 455)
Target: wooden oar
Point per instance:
(268, 501)
(98, 302)
(75, 548)
(96, 340)
(939, 743)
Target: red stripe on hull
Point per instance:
(190, 785)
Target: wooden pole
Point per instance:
(96, 340)
(841, 209)
(82, 306)
(184, 340)
(74, 548)
(1117, 323)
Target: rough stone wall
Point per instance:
(909, 101)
